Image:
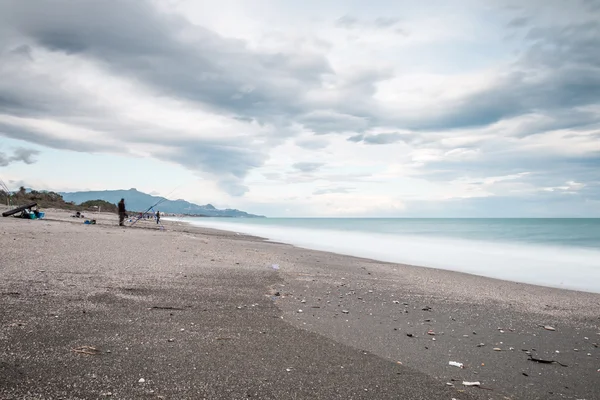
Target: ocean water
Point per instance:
(562, 253)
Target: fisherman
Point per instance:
(122, 212)
(157, 217)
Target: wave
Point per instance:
(562, 267)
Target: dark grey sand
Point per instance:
(65, 285)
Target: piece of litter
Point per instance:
(345, 311)
(181, 330)
(542, 361)
(548, 327)
(481, 345)
(456, 364)
(89, 350)
(299, 311)
(142, 380)
(430, 332)
(275, 266)
(497, 349)
(396, 302)
(410, 335)
(449, 383)
(288, 369)
(465, 383)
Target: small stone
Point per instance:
(345, 311)
(300, 311)
(481, 345)
(108, 351)
(142, 380)
(497, 349)
(181, 330)
(303, 301)
(288, 369)
(170, 340)
(549, 328)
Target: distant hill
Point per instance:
(139, 201)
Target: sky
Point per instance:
(308, 109)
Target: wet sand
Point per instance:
(194, 313)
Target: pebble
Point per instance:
(142, 380)
(345, 311)
(181, 330)
(170, 340)
(299, 311)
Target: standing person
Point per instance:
(122, 212)
(157, 217)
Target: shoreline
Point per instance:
(354, 307)
(383, 260)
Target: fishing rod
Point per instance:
(162, 200)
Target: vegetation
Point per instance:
(51, 200)
(99, 204)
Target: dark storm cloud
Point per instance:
(558, 72)
(20, 154)
(181, 60)
(518, 22)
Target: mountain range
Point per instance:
(140, 201)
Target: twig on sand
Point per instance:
(542, 361)
(92, 351)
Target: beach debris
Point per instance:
(89, 350)
(497, 349)
(275, 266)
(548, 327)
(396, 302)
(543, 361)
(170, 340)
(345, 311)
(465, 383)
(481, 345)
(524, 374)
(288, 369)
(142, 380)
(431, 332)
(426, 308)
(456, 364)
(165, 308)
(300, 311)
(410, 335)
(595, 345)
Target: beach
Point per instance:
(188, 312)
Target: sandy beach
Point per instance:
(191, 313)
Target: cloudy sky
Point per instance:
(313, 108)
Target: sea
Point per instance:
(562, 253)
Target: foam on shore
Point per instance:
(567, 268)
